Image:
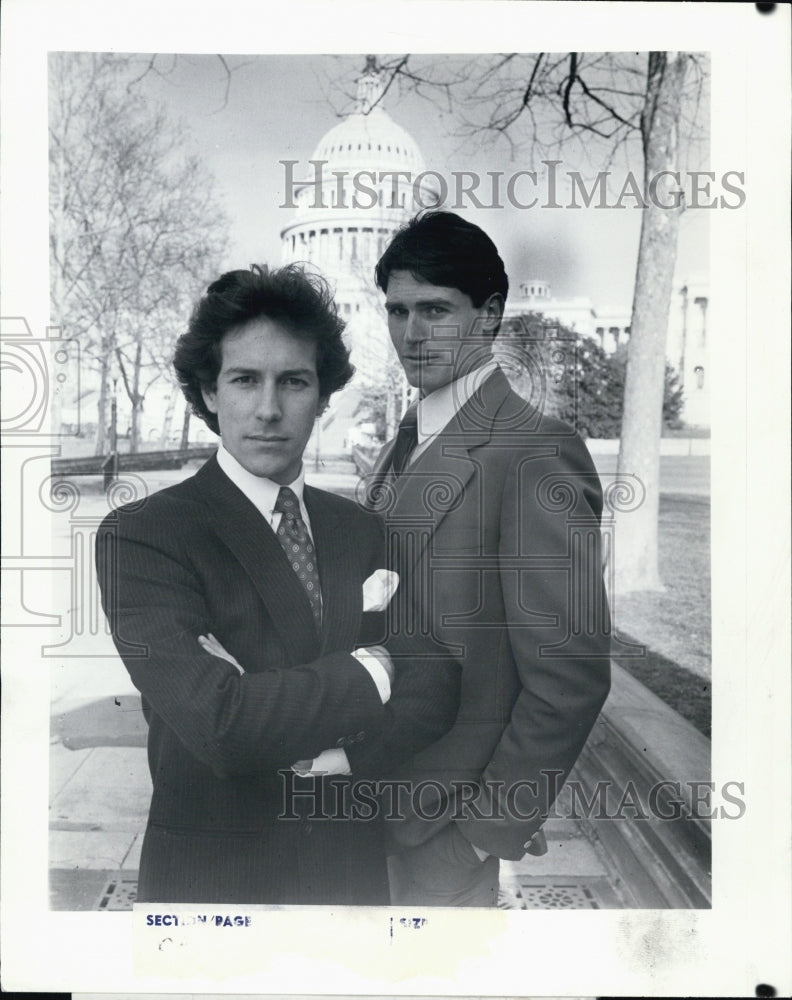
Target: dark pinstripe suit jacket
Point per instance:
(198, 557)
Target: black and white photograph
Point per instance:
(395, 438)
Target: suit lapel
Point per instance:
(434, 483)
(382, 464)
(342, 595)
(375, 489)
(250, 539)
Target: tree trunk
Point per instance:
(137, 401)
(134, 426)
(391, 419)
(56, 291)
(185, 436)
(167, 423)
(635, 550)
(102, 403)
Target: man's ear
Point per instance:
(493, 311)
(209, 394)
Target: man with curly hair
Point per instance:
(236, 600)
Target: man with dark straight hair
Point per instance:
(492, 511)
(244, 604)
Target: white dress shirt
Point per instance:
(439, 408)
(263, 494)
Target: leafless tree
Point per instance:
(594, 109)
(135, 225)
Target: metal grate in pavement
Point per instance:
(529, 893)
(523, 893)
(118, 894)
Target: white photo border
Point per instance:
(743, 939)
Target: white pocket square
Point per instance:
(379, 589)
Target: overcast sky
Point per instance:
(279, 107)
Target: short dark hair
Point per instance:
(299, 299)
(444, 249)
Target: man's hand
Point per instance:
(210, 645)
(328, 762)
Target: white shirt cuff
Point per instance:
(334, 761)
(377, 672)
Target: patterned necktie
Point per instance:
(293, 536)
(406, 440)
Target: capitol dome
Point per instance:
(369, 140)
(363, 182)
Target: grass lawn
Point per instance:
(675, 626)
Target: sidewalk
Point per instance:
(100, 792)
(99, 803)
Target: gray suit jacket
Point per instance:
(494, 529)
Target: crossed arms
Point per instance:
(159, 594)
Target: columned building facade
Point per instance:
(686, 344)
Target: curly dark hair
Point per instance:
(300, 300)
(445, 249)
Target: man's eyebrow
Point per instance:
(239, 370)
(435, 300)
(243, 370)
